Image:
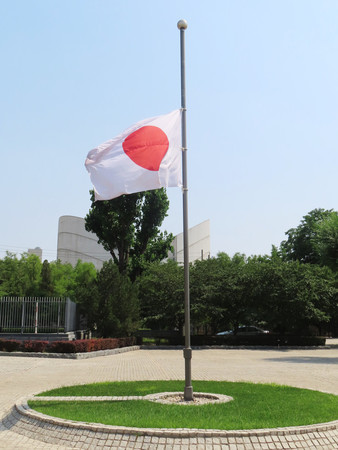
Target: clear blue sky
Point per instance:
(262, 98)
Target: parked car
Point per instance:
(223, 333)
(244, 331)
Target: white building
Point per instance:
(35, 251)
(199, 243)
(75, 243)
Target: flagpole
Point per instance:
(187, 352)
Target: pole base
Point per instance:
(188, 394)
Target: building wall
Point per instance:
(199, 243)
(75, 243)
(35, 251)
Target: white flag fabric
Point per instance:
(146, 156)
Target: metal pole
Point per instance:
(23, 316)
(36, 317)
(187, 353)
(59, 307)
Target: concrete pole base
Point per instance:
(188, 394)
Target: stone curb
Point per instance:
(234, 347)
(26, 412)
(105, 398)
(85, 355)
(205, 398)
(157, 398)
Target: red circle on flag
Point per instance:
(146, 147)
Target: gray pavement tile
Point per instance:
(25, 376)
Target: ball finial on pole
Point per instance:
(182, 24)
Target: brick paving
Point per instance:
(21, 377)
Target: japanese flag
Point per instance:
(145, 156)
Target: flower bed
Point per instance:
(77, 346)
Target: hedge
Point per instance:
(269, 340)
(77, 346)
(92, 345)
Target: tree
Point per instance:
(208, 305)
(63, 279)
(161, 292)
(128, 228)
(86, 292)
(220, 297)
(290, 296)
(303, 243)
(20, 277)
(118, 306)
(325, 241)
(221, 293)
(46, 285)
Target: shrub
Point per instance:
(270, 339)
(10, 345)
(34, 346)
(89, 345)
(61, 347)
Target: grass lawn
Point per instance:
(254, 406)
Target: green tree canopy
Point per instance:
(86, 292)
(221, 293)
(161, 292)
(118, 305)
(290, 296)
(46, 285)
(129, 228)
(226, 292)
(325, 241)
(27, 276)
(314, 240)
(63, 279)
(20, 276)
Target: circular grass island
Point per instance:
(131, 404)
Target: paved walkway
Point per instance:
(308, 368)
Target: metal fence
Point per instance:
(37, 315)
